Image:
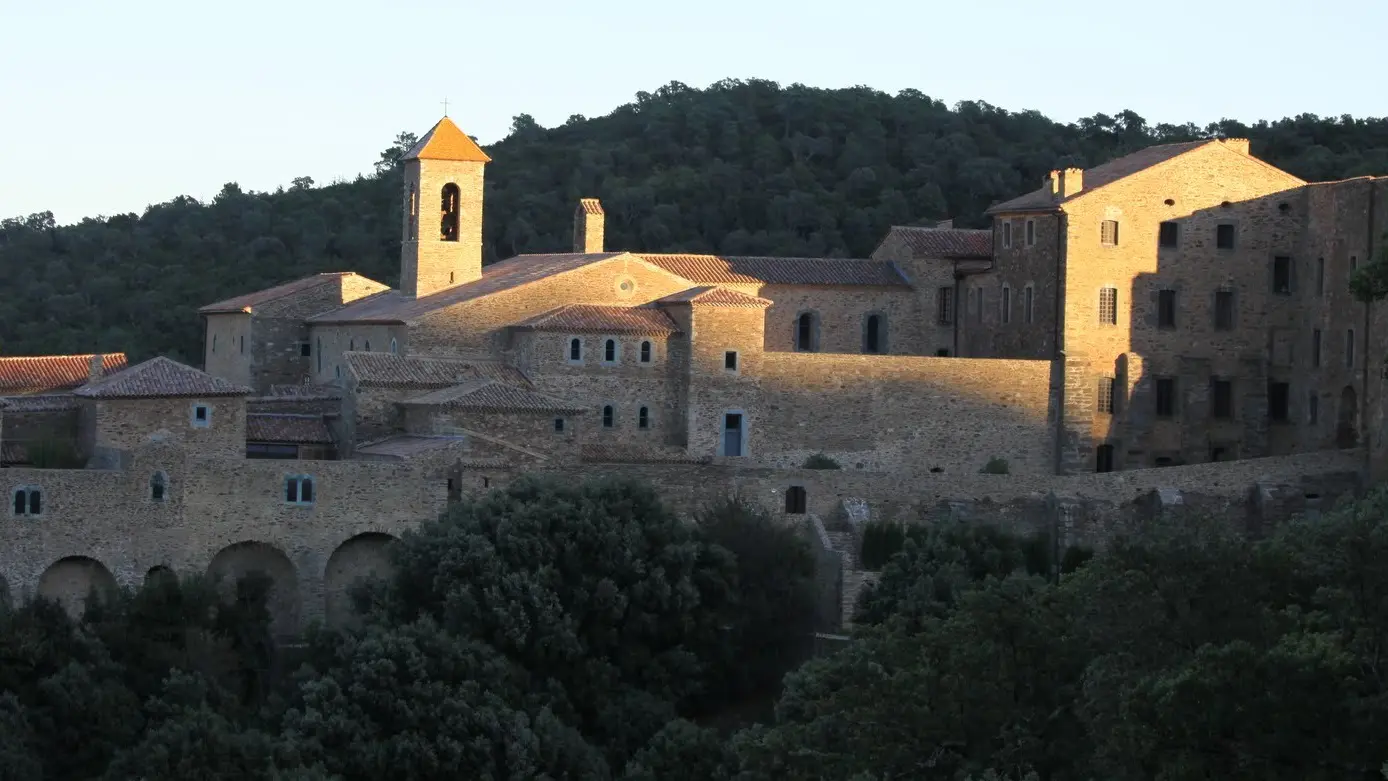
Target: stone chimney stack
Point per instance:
(95, 367)
(589, 220)
(1239, 145)
(1069, 182)
(1051, 184)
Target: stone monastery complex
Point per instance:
(1184, 306)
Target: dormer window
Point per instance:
(201, 416)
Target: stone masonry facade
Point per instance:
(1185, 306)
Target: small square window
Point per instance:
(1108, 233)
(1224, 236)
(730, 360)
(202, 416)
(1168, 235)
(1166, 397)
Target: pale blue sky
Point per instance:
(106, 107)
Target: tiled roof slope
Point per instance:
(406, 445)
(39, 402)
(275, 427)
(584, 318)
(720, 269)
(1040, 199)
(385, 370)
(392, 306)
(715, 296)
(445, 141)
(160, 378)
(248, 302)
(948, 243)
(491, 396)
(52, 372)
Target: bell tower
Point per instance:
(442, 241)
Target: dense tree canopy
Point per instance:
(742, 167)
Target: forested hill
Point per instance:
(741, 168)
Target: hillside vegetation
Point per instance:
(742, 167)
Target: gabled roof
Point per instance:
(715, 296)
(492, 396)
(386, 370)
(160, 378)
(392, 306)
(719, 269)
(277, 427)
(445, 141)
(946, 243)
(52, 372)
(585, 318)
(248, 302)
(1041, 199)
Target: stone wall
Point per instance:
(228, 347)
(122, 425)
(841, 313)
(1001, 327)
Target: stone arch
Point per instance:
(1347, 419)
(365, 556)
(73, 580)
(243, 559)
(449, 209)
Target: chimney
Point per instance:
(1051, 183)
(1069, 182)
(588, 225)
(1239, 145)
(95, 367)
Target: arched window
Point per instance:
(608, 418)
(352, 344)
(795, 500)
(643, 418)
(449, 209)
(367, 345)
(298, 489)
(158, 487)
(609, 351)
(874, 334)
(575, 349)
(645, 352)
(394, 347)
(807, 332)
(28, 501)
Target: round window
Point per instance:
(626, 287)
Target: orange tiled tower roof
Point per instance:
(445, 141)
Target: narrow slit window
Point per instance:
(1005, 305)
(1166, 309)
(1028, 312)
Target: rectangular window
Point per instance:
(1222, 399)
(1105, 395)
(1224, 236)
(1349, 349)
(1027, 311)
(202, 416)
(558, 425)
(1313, 409)
(1166, 309)
(978, 309)
(1166, 397)
(1320, 276)
(1282, 275)
(305, 350)
(298, 490)
(1316, 348)
(1108, 306)
(944, 306)
(1353, 264)
(1278, 394)
(730, 360)
(1108, 233)
(1168, 234)
(1006, 305)
(1224, 310)
(1007, 234)
(1031, 233)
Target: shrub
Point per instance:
(995, 466)
(881, 541)
(821, 461)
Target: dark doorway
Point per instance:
(1103, 458)
(1347, 421)
(795, 500)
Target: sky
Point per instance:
(107, 107)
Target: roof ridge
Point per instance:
(65, 355)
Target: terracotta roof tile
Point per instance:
(249, 301)
(392, 306)
(275, 427)
(406, 445)
(492, 396)
(638, 454)
(445, 141)
(1041, 199)
(160, 378)
(715, 296)
(584, 318)
(303, 392)
(386, 370)
(38, 373)
(717, 269)
(44, 402)
(947, 242)
(590, 206)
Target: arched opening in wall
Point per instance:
(807, 332)
(361, 559)
(796, 500)
(448, 210)
(245, 567)
(1347, 419)
(575, 349)
(645, 352)
(75, 581)
(159, 574)
(874, 336)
